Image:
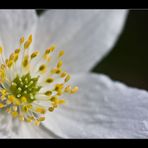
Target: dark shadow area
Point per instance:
(128, 61)
(39, 12)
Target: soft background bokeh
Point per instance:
(128, 61)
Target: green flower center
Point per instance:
(25, 86)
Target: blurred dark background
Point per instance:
(128, 61)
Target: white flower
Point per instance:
(101, 108)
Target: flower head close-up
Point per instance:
(28, 91)
(47, 88)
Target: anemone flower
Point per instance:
(35, 77)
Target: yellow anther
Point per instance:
(28, 119)
(47, 51)
(3, 66)
(61, 53)
(63, 74)
(15, 57)
(37, 123)
(41, 119)
(54, 105)
(22, 39)
(25, 108)
(48, 93)
(1, 105)
(56, 70)
(17, 50)
(68, 89)
(17, 102)
(49, 80)
(1, 50)
(52, 47)
(11, 98)
(51, 109)
(47, 57)
(34, 54)
(2, 75)
(29, 106)
(59, 92)
(21, 117)
(11, 56)
(28, 42)
(10, 63)
(25, 61)
(67, 78)
(30, 37)
(3, 92)
(14, 114)
(74, 90)
(23, 99)
(58, 87)
(53, 98)
(42, 68)
(56, 102)
(62, 101)
(6, 61)
(60, 63)
(40, 110)
(14, 108)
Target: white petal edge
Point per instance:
(101, 109)
(14, 24)
(85, 35)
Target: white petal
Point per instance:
(101, 109)
(28, 130)
(85, 35)
(13, 25)
(13, 128)
(8, 127)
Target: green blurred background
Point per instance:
(128, 61)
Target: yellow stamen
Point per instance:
(74, 90)
(34, 54)
(41, 119)
(59, 64)
(17, 50)
(42, 68)
(61, 53)
(21, 89)
(14, 114)
(37, 123)
(1, 105)
(22, 39)
(49, 80)
(25, 61)
(48, 93)
(23, 99)
(52, 48)
(51, 109)
(68, 89)
(63, 74)
(67, 78)
(1, 50)
(40, 110)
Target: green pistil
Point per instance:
(25, 86)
